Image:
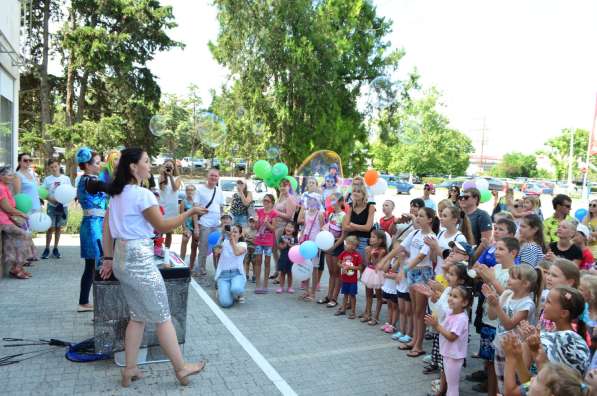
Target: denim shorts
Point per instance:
(350, 288)
(419, 275)
(243, 220)
(263, 250)
(486, 349)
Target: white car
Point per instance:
(257, 188)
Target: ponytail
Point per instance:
(464, 224)
(430, 213)
(537, 287)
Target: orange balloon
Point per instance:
(371, 177)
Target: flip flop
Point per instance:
(405, 347)
(332, 304)
(414, 354)
(323, 300)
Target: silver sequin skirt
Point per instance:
(141, 282)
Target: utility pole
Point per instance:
(483, 141)
(570, 158)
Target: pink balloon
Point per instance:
(294, 254)
(468, 184)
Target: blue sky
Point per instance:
(527, 67)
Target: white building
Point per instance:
(10, 14)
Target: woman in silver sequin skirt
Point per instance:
(130, 221)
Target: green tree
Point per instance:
(416, 138)
(298, 68)
(558, 151)
(516, 165)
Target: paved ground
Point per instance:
(311, 350)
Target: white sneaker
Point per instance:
(241, 300)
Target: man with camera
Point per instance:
(170, 184)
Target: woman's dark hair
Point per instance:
(381, 235)
(246, 189)
(21, 155)
(93, 155)
(429, 212)
(240, 230)
(123, 174)
(534, 221)
(418, 202)
(455, 189)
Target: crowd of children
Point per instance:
(535, 301)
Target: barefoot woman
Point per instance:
(128, 228)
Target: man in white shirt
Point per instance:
(208, 196)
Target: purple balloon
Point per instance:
(468, 184)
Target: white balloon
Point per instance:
(388, 240)
(482, 184)
(40, 222)
(380, 187)
(324, 240)
(302, 272)
(65, 194)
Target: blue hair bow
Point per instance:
(83, 155)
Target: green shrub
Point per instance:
(75, 215)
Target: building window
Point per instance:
(6, 117)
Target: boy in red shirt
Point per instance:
(388, 221)
(350, 261)
(580, 239)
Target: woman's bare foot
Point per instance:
(130, 374)
(189, 369)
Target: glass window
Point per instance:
(6, 117)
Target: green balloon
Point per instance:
(485, 196)
(293, 182)
(43, 192)
(280, 170)
(23, 202)
(262, 169)
(272, 182)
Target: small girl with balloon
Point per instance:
(312, 220)
(286, 241)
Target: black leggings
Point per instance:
(86, 281)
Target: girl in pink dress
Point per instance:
(373, 277)
(312, 221)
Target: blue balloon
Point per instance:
(308, 249)
(580, 214)
(213, 238)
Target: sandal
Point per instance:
(365, 318)
(323, 300)
(332, 304)
(352, 316)
(405, 347)
(18, 275)
(308, 299)
(373, 322)
(414, 354)
(340, 312)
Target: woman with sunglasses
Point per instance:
(453, 194)
(28, 183)
(590, 221)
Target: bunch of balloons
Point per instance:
(480, 184)
(301, 255)
(273, 175)
(378, 185)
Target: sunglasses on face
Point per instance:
(464, 197)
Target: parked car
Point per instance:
(160, 159)
(186, 163)
(401, 186)
(532, 189)
(199, 163)
(240, 165)
(215, 163)
(257, 188)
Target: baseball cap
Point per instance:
(583, 229)
(462, 246)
